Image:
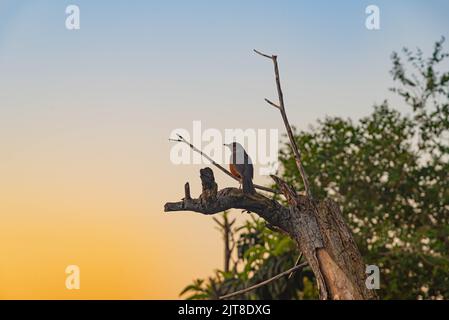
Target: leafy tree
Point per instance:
(389, 173)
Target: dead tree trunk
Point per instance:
(317, 227)
(327, 243)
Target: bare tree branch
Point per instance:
(281, 107)
(296, 264)
(264, 283)
(183, 140)
(263, 54)
(273, 104)
(233, 198)
(212, 201)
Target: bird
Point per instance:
(241, 167)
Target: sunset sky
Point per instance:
(85, 118)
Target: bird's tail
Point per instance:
(248, 186)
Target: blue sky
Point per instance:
(327, 55)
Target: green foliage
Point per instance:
(389, 173)
(261, 254)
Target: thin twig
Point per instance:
(281, 107)
(296, 264)
(263, 283)
(272, 103)
(263, 54)
(183, 140)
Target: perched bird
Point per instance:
(241, 167)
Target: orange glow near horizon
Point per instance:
(103, 217)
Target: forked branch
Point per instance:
(281, 107)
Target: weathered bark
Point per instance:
(327, 243)
(317, 227)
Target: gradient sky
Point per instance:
(85, 116)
